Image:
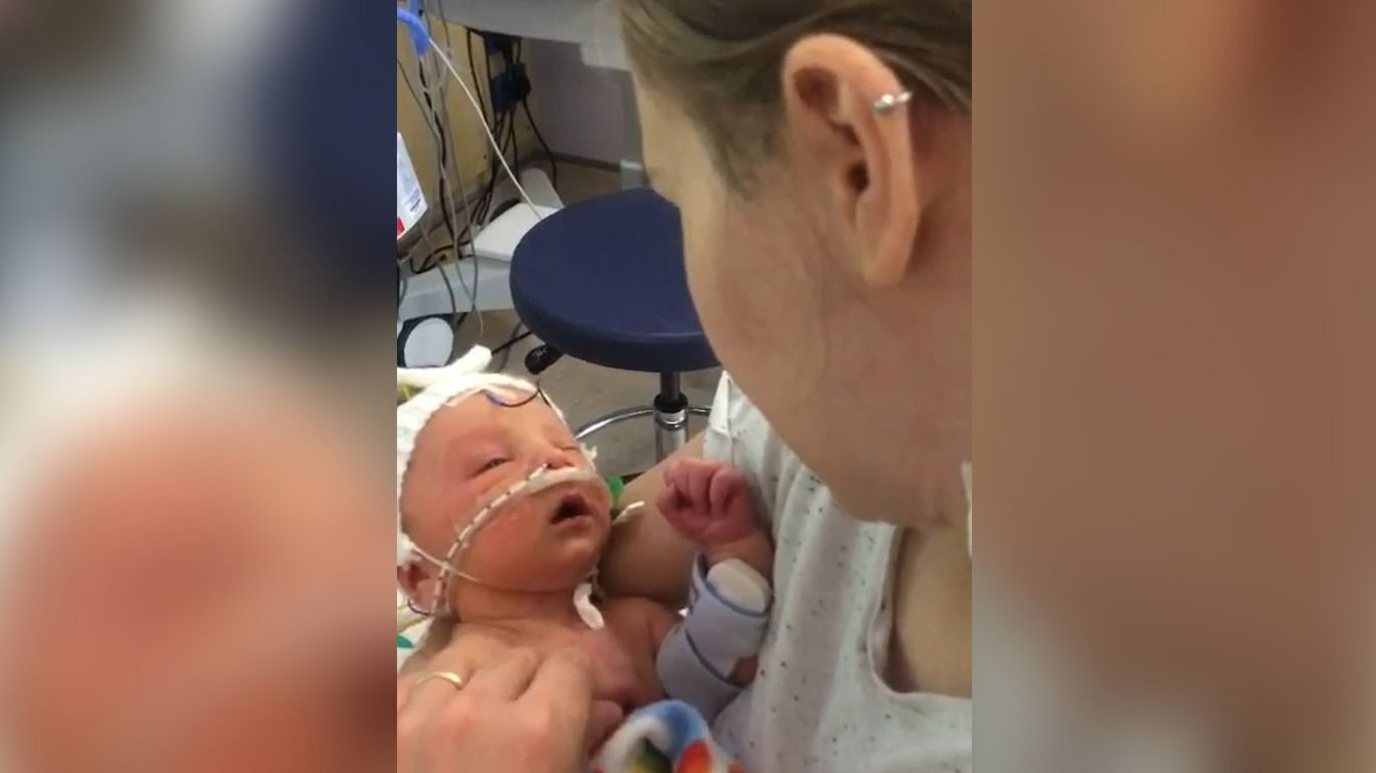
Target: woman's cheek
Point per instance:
(698, 247)
(719, 277)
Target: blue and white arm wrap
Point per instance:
(728, 614)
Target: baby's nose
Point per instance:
(557, 458)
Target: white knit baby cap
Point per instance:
(442, 387)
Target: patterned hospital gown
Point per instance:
(818, 704)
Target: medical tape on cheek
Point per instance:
(465, 536)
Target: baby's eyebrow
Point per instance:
(560, 437)
(470, 443)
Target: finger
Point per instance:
(725, 486)
(506, 679)
(680, 473)
(670, 500)
(425, 698)
(604, 718)
(673, 473)
(684, 517)
(700, 481)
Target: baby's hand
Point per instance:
(709, 503)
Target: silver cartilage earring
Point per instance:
(890, 102)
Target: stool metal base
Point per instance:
(671, 427)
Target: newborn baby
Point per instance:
(502, 520)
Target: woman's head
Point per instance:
(827, 241)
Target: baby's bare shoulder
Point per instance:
(474, 645)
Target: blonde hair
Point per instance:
(723, 58)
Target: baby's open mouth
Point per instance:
(571, 508)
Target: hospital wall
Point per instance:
(582, 110)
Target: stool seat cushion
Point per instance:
(603, 281)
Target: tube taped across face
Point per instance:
(541, 479)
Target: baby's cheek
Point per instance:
(501, 548)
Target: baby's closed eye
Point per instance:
(491, 464)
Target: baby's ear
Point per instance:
(418, 585)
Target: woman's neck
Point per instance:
(930, 650)
(1334, 747)
(513, 609)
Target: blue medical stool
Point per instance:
(603, 281)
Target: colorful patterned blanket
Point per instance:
(667, 737)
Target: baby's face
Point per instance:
(471, 453)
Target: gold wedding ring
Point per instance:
(448, 676)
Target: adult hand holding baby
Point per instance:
(515, 713)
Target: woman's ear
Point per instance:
(862, 154)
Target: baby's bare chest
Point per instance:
(623, 668)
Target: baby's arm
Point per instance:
(646, 556)
(707, 658)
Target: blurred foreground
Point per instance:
(196, 285)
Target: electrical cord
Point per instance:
(504, 128)
(494, 129)
(467, 231)
(539, 137)
(497, 146)
(445, 195)
(465, 234)
(508, 347)
(485, 201)
(444, 24)
(415, 95)
(473, 71)
(424, 39)
(457, 256)
(443, 135)
(517, 59)
(453, 299)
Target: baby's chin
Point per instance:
(573, 557)
(583, 549)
